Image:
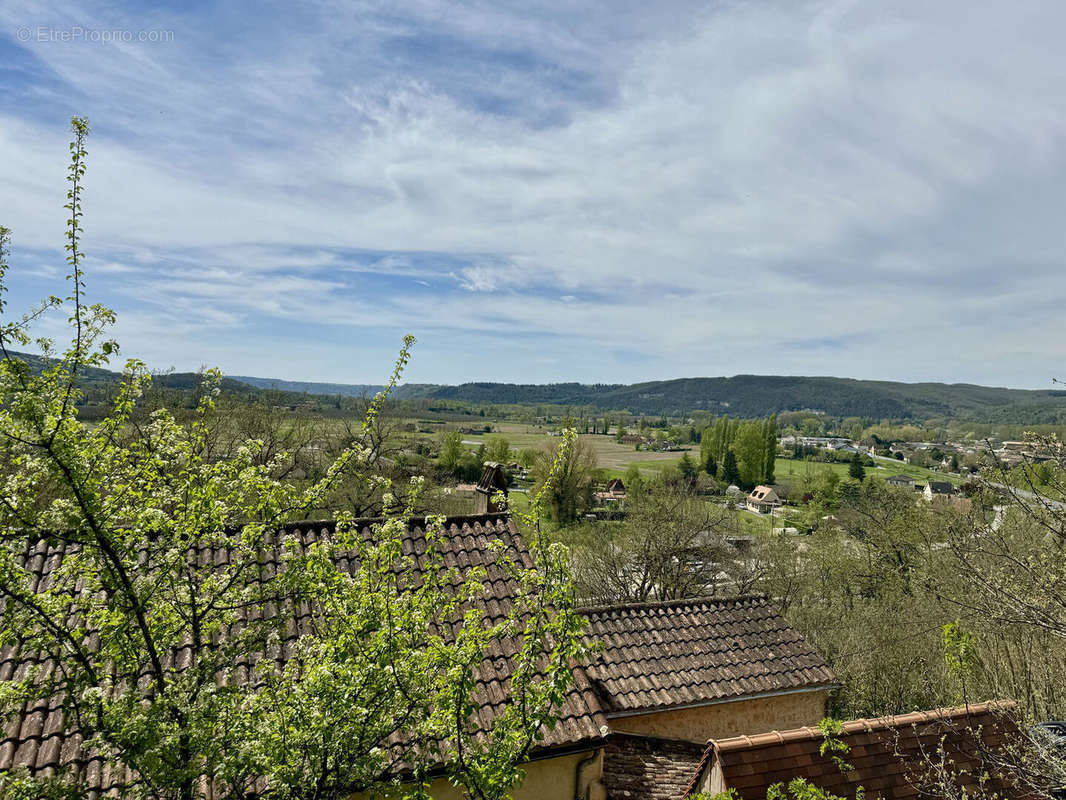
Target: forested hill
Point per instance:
(312, 387)
(759, 395)
(746, 396)
(97, 380)
(740, 396)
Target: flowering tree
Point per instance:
(165, 656)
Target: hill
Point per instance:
(95, 378)
(740, 396)
(311, 387)
(755, 396)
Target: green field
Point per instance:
(614, 458)
(786, 469)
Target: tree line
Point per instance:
(740, 452)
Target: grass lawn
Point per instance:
(612, 457)
(888, 467)
(518, 502)
(786, 469)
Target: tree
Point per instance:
(753, 442)
(148, 637)
(710, 466)
(716, 439)
(456, 461)
(670, 546)
(362, 492)
(770, 436)
(527, 457)
(749, 445)
(730, 473)
(452, 451)
(498, 449)
(569, 492)
(687, 467)
(855, 468)
(634, 482)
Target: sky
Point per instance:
(541, 191)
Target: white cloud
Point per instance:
(712, 183)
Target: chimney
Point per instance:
(493, 481)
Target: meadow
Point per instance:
(787, 469)
(615, 459)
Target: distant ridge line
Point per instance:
(741, 395)
(737, 396)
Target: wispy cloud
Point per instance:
(606, 192)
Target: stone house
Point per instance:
(943, 493)
(613, 492)
(763, 499)
(669, 676)
(901, 481)
(938, 489)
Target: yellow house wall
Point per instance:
(722, 720)
(550, 779)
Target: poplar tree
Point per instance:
(855, 468)
(730, 473)
(771, 449)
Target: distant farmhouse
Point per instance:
(901, 481)
(763, 499)
(938, 489)
(614, 492)
(942, 493)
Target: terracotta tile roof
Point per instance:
(886, 754)
(655, 656)
(690, 652)
(648, 768)
(40, 739)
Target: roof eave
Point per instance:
(821, 687)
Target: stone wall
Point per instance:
(649, 769)
(549, 779)
(723, 720)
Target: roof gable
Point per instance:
(764, 493)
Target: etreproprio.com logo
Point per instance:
(77, 33)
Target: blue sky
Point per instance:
(539, 191)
